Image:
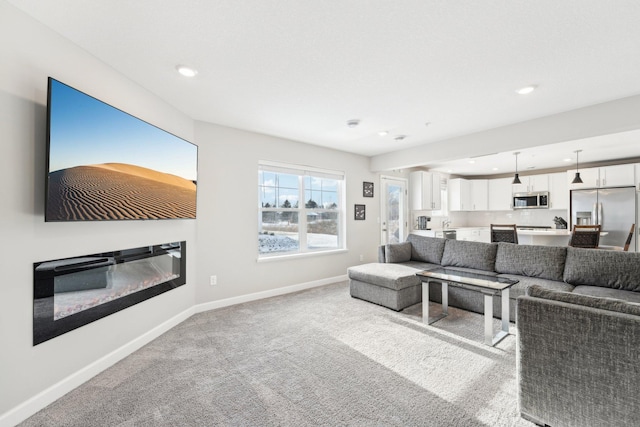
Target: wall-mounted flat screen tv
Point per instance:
(105, 164)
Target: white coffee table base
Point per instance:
(489, 338)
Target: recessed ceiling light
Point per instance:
(186, 71)
(526, 90)
(567, 160)
(495, 169)
(353, 123)
(383, 133)
(449, 170)
(471, 162)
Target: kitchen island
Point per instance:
(546, 236)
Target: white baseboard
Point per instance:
(56, 391)
(267, 294)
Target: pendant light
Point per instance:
(577, 179)
(516, 179)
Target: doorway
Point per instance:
(394, 210)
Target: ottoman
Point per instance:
(394, 286)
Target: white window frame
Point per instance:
(303, 171)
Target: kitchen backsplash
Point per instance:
(519, 217)
(542, 217)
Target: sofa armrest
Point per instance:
(577, 364)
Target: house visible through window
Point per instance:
(301, 209)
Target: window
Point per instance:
(301, 210)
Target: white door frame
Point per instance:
(404, 229)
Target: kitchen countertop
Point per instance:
(454, 228)
(549, 232)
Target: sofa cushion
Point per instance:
(393, 276)
(597, 291)
(544, 262)
(426, 249)
(609, 304)
(477, 255)
(609, 269)
(525, 283)
(397, 252)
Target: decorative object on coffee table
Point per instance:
(360, 212)
(367, 189)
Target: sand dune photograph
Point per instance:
(118, 191)
(105, 164)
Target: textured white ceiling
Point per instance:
(300, 69)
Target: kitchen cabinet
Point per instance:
(484, 235)
(532, 183)
(479, 195)
(558, 191)
(468, 195)
(500, 194)
(473, 234)
(425, 190)
(637, 179)
(617, 176)
(605, 176)
(459, 193)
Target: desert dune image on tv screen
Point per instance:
(105, 164)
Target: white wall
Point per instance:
(29, 53)
(228, 213)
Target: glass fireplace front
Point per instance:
(71, 292)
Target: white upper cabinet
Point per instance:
(500, 194)
(532, 183)
(637, 181)
(539, 182)
(468, 195)
(459, 192)
(617, 176)
(558, 191)
(605, 176)
(425, 190)
(479, 195)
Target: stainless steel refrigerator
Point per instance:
(613, 208)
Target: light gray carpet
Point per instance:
(317, 357)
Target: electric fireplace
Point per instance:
(71, 292)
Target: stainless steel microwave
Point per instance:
(532, 200)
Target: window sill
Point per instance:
(284, 257)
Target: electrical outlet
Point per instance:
(213, 280)
(361, 257)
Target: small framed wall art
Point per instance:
(367, 189)
(360, 212)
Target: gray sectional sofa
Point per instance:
(577, 314)
(392, 281)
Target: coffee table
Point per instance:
(485, 284)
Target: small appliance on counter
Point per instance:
(423, 223)
(561, 224)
